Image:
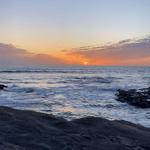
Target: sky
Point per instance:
(60, 28)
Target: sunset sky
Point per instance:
(77, 31)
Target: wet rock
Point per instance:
(2, 86)
(28, 130)
(139, 98)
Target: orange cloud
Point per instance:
(126, 52)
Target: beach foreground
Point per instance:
(28, 130)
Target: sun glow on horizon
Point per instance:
(85, 63)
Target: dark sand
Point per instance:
(28, 130)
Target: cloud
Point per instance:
(12, 56)
(126, 52)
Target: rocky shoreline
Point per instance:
(29, 130)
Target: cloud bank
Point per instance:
(126, 52)
(12, 56)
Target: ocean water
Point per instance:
(75, 92)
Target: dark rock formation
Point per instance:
(139, 98)
(28, 130)
(2, 86)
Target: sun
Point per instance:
(85, 63)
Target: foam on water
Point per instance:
(75, 92)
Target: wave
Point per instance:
(31, 71)
(48, 70)
(43, 71)
(88, 80)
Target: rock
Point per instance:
(28, 130)
(139, 98)
(2, 86)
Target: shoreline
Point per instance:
(29, 130)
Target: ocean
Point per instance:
(75, 92)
